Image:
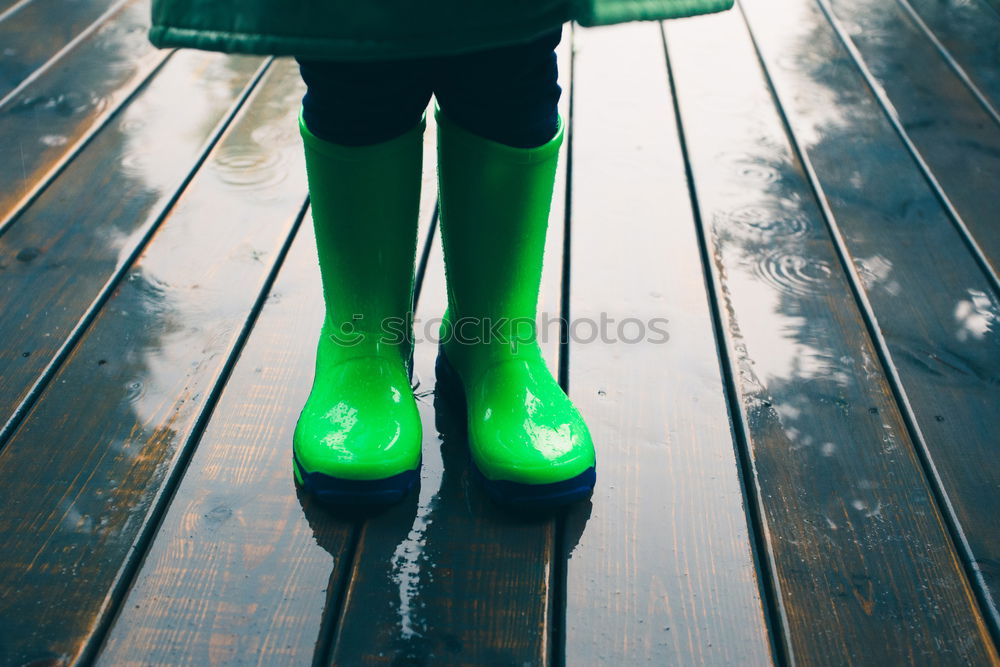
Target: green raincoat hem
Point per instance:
(346, 48)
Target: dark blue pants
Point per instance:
(508, 94)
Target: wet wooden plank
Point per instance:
(663, 572)
(85, 478)
(993, 4)
(953, 133)
(46, 123)
(968, 34)
(447, 577)
(8, 7)
(942, 345)
(35, 32)
(200, 596)
(244, 569)
(64, 252)
(863, 562)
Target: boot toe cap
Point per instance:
(546, 447)
(524, 429)
(363, 425)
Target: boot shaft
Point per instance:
(365, 202)
(495, 202)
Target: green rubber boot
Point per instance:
(358, 438)
(527, 441)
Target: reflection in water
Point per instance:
(410, 560)
(876, 273)
(976, 316)
(78, 233)
(328, 529)
(831, 450)
(134, 387)
(157, 142)
(148, 366)
(438, 574)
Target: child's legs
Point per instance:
(509, 94)
(362, 103)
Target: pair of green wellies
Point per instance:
(358, 439)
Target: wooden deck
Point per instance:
(807, 472)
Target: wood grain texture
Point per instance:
(936, 323)
(864, 564)
(968, 32)
(447, 577)
(244, 568)
(664, 573)
(69, 246)
(84, 478)
(953, 133)
(37, 31)
(45, 123)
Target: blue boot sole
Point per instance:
(336, 491)
(513, 494)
